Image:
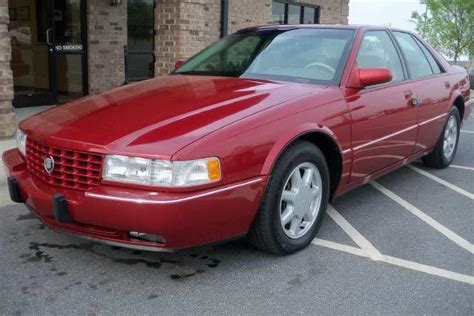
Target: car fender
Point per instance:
(286, 139)
(456, 93)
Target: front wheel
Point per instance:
(445, 149)
(295, 201)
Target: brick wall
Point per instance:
(332, 11)
(7, 115)
(183, 27)
(246, 13)
(107, 37)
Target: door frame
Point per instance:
(51, 97)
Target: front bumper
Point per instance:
(108, 213)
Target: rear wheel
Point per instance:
(445, 150)
(294, 202)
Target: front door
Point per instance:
(48, 51)
(384, 121)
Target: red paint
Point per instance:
(178, 64)
(247, 124)
(374, 76)
(364, 77)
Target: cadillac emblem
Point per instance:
(48, 164)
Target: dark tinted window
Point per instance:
(294, 14)
(378, 50)
(286, 12)
(278, 12)
(418, 65)
(309, 15)
(140, 50)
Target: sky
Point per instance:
(394, 13)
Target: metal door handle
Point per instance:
(48, 37)
(412, 98)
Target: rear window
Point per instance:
(433, 63)
(418, 64)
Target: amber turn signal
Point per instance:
(214, 169)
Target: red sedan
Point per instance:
(250, 137)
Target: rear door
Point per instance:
(431, 88)
(384, 120)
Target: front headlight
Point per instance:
(21, 141)
(161, 172)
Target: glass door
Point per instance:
(69, 49)
(31, 60)
(140, 52)
(48, 51)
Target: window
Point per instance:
(309, 15)
(418, 65)
(433, 63)
(378, 50)
(294, 14)
(301, 55)
(278, 12)
(286, 12)
(140, 56)
(234, 59)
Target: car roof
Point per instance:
(319, 26)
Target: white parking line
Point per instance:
(464, 278)
(339, 247)
(360, 240)
(458, 240)
(466, 131)
(441, 181)
(462, 167)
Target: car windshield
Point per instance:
(298, 55)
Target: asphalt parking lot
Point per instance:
(401, 245)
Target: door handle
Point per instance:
(48, 37)
(412, 98)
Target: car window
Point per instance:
(418, 64)
(234, 59)
(378, 50)
(434, 65)
(298, 55)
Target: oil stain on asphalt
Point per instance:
(39, 253)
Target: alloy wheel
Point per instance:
(450, 137)
(300, 200)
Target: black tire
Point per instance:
(436, 158)
(266, 232)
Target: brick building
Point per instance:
(52, 51)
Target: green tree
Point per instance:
(448, 25)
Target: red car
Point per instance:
(250, 137)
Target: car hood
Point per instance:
(157, 117)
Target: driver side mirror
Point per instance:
(363, 77)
